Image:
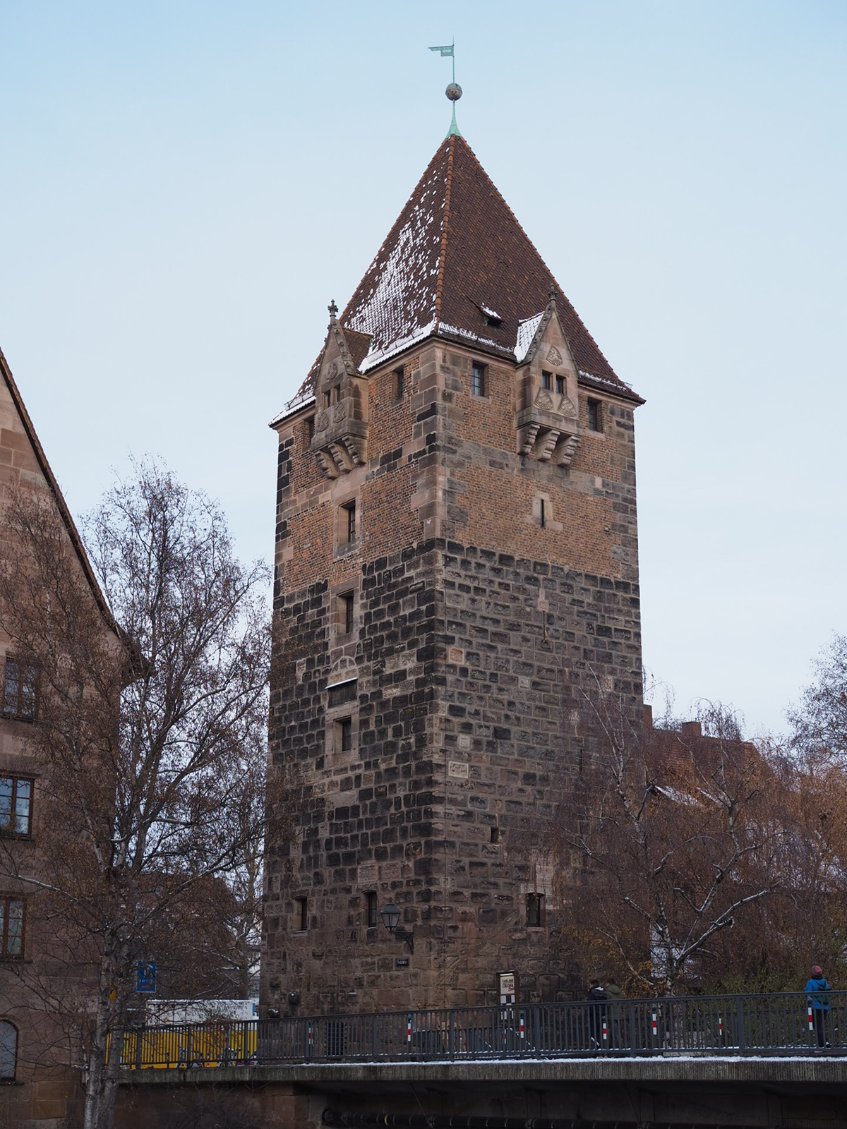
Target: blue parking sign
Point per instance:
(145, 977)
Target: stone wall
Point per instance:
(434, 729)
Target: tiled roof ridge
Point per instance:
(442, 252)
(560, 292)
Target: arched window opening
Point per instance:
(8, 1051)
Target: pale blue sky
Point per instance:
(185, 186)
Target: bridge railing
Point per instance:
(772, 1024)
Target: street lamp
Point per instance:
(390, 915)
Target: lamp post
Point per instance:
(390, 915)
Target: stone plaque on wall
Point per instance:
(367, 874)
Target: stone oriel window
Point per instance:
(15, 805)
(371, 909)
(534, 911)
(8, 1051)
(19, 690)
(595, 415)
(12, 916)
(547, 381)
(479, 379)
(561, 385)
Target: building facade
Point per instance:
(40, 973)
(456, 574)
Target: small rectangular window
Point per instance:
(11, 928)
(595, 415)
(372, 909)
(19, 691)
(547, 381)
(343, 734)
(561, 386)
(542, 513)
(348, 523)
(310, 428)
(327, 397)
(346, 612)
(534, 910)
(15, 805)
(399, 382)
(478, 379)
(301, 914)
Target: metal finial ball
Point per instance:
(454, 92)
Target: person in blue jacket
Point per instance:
(817, 994)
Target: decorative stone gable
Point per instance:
(341, 426)
(547, 422)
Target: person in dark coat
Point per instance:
(817, 994)
(596, 1012)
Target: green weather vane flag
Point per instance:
(453, 91)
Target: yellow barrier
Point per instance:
(188, 1047)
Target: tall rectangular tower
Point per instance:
(456, 565)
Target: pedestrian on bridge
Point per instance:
(596, 1013)
(615, 996)
(817, 994)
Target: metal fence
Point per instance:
(773, 1024)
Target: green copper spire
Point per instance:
(453, 91)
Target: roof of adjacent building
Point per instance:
(457, 264)
(57, 495)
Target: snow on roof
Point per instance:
(397, 303)
(376, 357)
(301, 400)
(617, 385)
(469, 334)
(489, 313)
(526, 332)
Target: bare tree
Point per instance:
(815, 768)
(671, 840)
(820, 723)
(151, 750)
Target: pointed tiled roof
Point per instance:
(457, 264)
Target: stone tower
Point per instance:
(456, 561)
